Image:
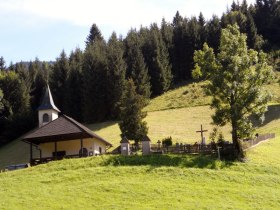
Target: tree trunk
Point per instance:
(238, 150)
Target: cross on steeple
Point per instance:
(201, 131)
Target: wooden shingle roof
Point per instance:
(61, 129)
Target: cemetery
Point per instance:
(221, 149)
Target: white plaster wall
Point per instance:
(146, 147)
(73, 147)
(52, 115)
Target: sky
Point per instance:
(43, 28)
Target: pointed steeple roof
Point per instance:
(124, 140)
(47, 102)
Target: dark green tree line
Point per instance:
(89, 84)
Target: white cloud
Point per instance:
(47, 26)
(120, 13)
(82, 12)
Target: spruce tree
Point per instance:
(202, 33)
(267, 20)
(37, 83)
(192, 43)
(58, 80)
(136, 66)
(177, 20)
(116, 74)
(167, 35)
(235, 17)
(23, 72)
(157, 60)
(254, 41)
(131, 41)
(140, 74)
(73, 93)
(177, 56)
(214, 32)
(94, 34)
(95, 83)
(2, 64)
(131, 116)
(1, 103)
(244, 7)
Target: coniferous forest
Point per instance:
(90, 85)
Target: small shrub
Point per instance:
(213, 135)
(221, 140)
(166, 142)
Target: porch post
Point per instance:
(82, 154)
(55, 150)
(31, 154)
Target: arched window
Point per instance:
(46, 118)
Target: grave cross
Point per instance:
(201, 131)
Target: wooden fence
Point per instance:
(184, 148)
(251, 142)
(212, 148)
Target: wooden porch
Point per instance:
(37, 161)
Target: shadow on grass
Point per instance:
(187, 161)
(99, 126)
(273, 113)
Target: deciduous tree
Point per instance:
(236, 76)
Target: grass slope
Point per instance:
(177, 113)
(190, 94)
(152, 182)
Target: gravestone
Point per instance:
(146, 146)
(203, 142)
(125, 147)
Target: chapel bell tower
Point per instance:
(47, 111)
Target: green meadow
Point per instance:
(156, 181)
(149, 182)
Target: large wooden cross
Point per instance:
(201, 131)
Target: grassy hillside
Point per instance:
(181, 124)
(177, 113)
(189, 94)
(151, 182)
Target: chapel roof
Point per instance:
(146, 138)
(124, 140)
(47, 102)
(61, 129)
